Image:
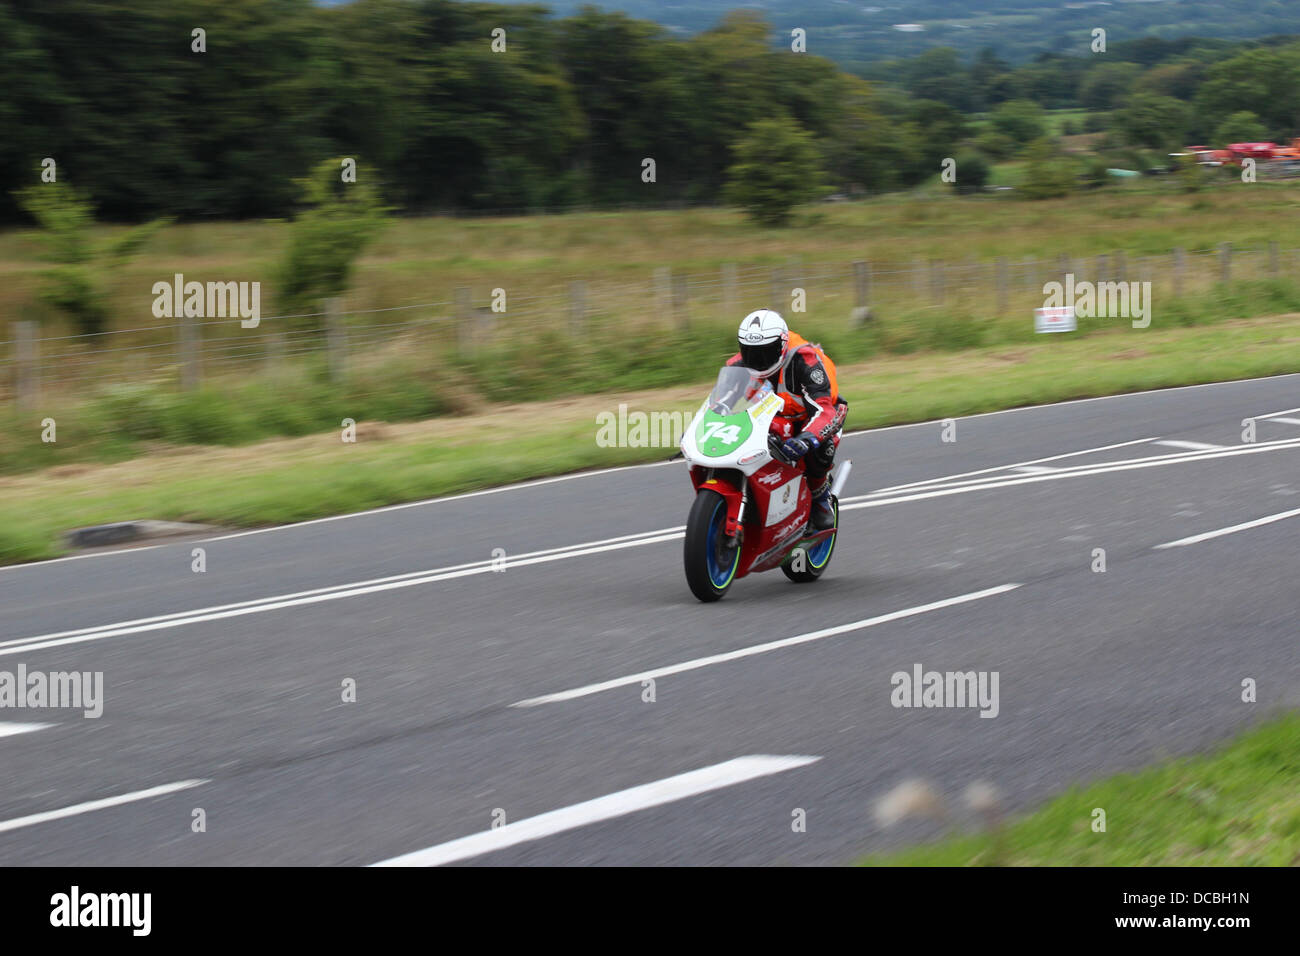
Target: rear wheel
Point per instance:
(711, 561)
(807, 564)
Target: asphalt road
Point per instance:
(518, 695)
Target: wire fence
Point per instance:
(188, 351)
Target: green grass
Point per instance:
(318, 475)
(411, 383)
(1237, 806)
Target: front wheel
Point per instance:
(710, 560)
(807, 564)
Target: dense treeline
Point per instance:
(115, 93)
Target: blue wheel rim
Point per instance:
(720, 573)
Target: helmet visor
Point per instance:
(760, 358)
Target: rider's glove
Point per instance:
(795, 448)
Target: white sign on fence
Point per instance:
(1055, 319)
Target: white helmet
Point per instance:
(763, 337)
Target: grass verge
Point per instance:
(316, 475)
(1236, 806)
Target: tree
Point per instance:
(1106, 84)
(325, 240)
(1264, 81)
(776, 168)
(1151, 121)
(1022, 120)
(1242, 127)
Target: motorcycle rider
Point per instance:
(809, 425)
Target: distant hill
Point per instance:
(858, 32)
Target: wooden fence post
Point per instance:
(336, 338)
(26, 374)
(730, 294)
(464, 320)
(577, 308)
(189, 352)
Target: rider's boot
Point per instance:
(823, 512)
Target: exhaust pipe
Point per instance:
(842, 473)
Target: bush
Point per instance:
(74, 286)
(325, 240)
(972, 172)
(1048, 173)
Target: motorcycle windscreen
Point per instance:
(736, 389)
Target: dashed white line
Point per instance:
(1197, 538)
(608, 807)
(699, 662)
(92, 805)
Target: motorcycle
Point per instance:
(752, 506)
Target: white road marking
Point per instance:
(622, 803)
(413, 578)
(1034, 470)
(92, 805)
(1286, 421)
(1002, 471)
(163, 622)
(1285, 411)
(1081, 471)
(1018, 464)
(1193, 445)
(1196, 538)
(761, 648)
(10, 730)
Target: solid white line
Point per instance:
(997, 480)
(1035, 470)
(73, 811)
(1080, 472)
(9, 730)
(761, 648)
(609, 807)
(1181, 542)
(483, 564)
(1193, 445)
(1018, 464)
(79, 557)
(1286, 421)
(40, 642)
(1285, 411)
